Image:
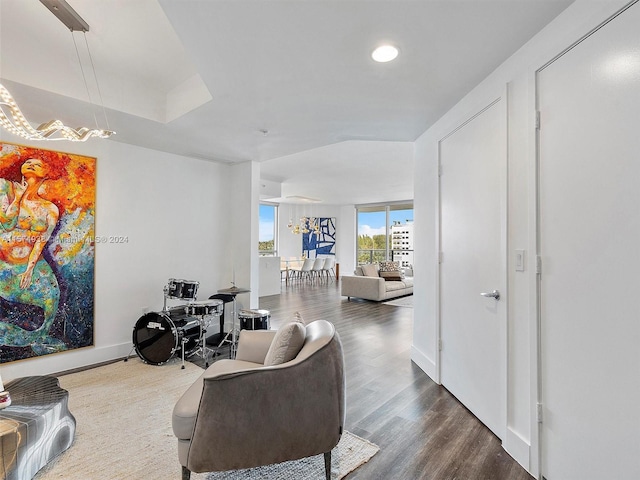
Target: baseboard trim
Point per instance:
(518, 448)
(64, 361)
(427, 365)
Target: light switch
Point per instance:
(519, 260)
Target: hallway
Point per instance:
(422, 430)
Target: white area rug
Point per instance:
(401, 302)
(123, 413)
(351, 452)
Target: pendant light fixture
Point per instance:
(12, 118)
(306, 224)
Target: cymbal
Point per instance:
(234, 290)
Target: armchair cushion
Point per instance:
(286, 344)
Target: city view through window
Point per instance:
(385, 233)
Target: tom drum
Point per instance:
(254, 319)
(205, 307)
(182, 289)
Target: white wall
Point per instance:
(518, 73)
(269, 279)
(169, 207)
(242, 229)
(347, 240)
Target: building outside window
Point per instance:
(267, 237)
(385, 232)
(402, 242)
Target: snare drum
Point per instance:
(183, 289)
(158, 336)
(254, 319)
(205, 307)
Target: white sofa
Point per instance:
(371, 286)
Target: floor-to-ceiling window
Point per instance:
(385, 232)
(267, 241)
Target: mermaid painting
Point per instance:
(29, 249)
(26, 224)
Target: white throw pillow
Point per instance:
(370, 270)
(286, 344)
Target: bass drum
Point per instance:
(158, 336)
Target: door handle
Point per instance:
(495, 294)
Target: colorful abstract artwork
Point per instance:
(47, 250)
(321, 243)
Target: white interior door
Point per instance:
(473, 245)
(589, 229)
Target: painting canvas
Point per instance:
(323, 243)
(47, 250)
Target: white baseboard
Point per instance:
(518, 448)
(427, 365)
(55, 363)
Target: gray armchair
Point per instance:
(243, 414)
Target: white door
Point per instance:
(589, 200)
(473, 245)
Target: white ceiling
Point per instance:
(206, 78)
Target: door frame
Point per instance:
(458, 124)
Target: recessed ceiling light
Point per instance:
(384, 53)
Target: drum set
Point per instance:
(158, 336)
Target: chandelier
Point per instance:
(18, 124)
(305, 225)
(12, 118)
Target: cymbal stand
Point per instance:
(183, 342)
(126, 359)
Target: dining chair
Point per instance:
(316, 270)
(305, 270)
(328, 269)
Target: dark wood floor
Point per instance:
(423, 432)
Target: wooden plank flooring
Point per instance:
(422, 430)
